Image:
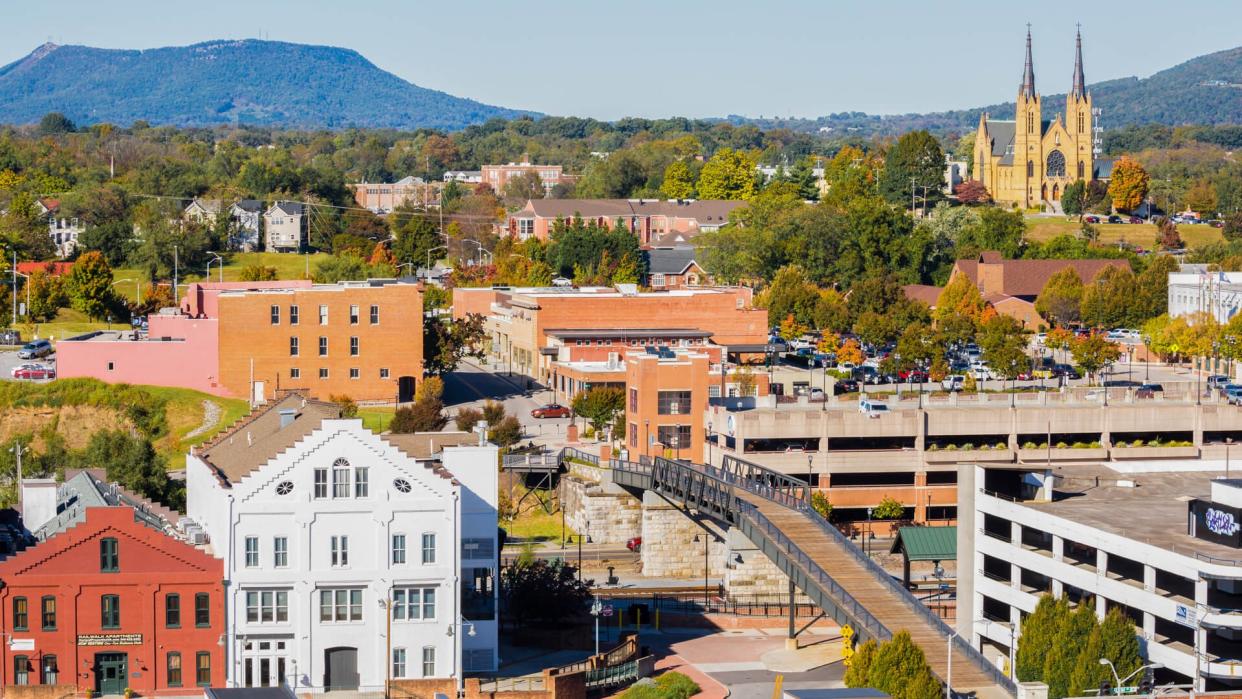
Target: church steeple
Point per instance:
(1028, 76)
(1079, 90)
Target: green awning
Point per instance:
(926, 543)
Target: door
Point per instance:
(340, 668)
(259, 393)
(405, 389)
(111, 673)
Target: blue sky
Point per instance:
(613, 58)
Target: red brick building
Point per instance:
(110, 604)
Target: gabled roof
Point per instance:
(704, 211)
(211, 206)
(1027, 277)
(1001, 133)
(923, 292)
(926, 543)
(258, 438)
(89, 488)
(250, 205)
(669, 260)
(288, 208)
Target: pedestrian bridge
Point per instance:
(772, 510)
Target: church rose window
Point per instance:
(1056, 164)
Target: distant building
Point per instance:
(464, 176)
(655, 222)
(955, 173)
(64, 231)
(383, 198)
(497, 176)
(204, 211)
(286, 223)
(673, 268)
(1217, 293)
(246, 215)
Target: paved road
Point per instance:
(9, 360)
(475, 383)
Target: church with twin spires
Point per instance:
(1028, 161)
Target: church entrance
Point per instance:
(1043, 192)
(1056, 192)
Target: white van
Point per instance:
(871, 408)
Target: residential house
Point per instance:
(657, 223)
(245, 216)
(203, 211)
(334, 537)
(286, 223)
(673, 268)
(63, 230)
(464, 176)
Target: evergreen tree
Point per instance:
(901, 670)
(859, 672)
(1074, 198)
(1039, 632)
(1066, 647)
(90, 285)
(1115, 640)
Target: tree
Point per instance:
(819, 503)
(506, 433)
(447, 343)
(112, 238)
(1201, 198)
(521, 188)
(972, 193)
(432, 388)
(1094, 352)
(916, 159)
(729, 174)
(1040, 632)
(1233, 227)
(467, 419)
(1153, 288)
(678, 181)
(917, 346)
(416, 235)
(860, 663)
(1097, 198)
(339, 268)
(130, 461)
(601, 405)
(1128, 184)
(874, 328)
(889, 508)
(791, 329)
(1074, 198)
(47, 296)
(900, 669)
(960, 297)
(89, 285)
(1003, 342)
(422, 416)
(1109, 300)
(349, 409)
(1167, 235)
(850, 353)
(1069, 644)
(1060, 301)
(540, 592)
(55, 123)
(258, 273)
(1113, 639)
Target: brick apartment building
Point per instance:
(665, 400)
(528, 326)
(108, 605)
(382, 198)
(497, 176)
(658, 223)
(360, 339)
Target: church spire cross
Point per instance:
(1028, 75)
(1079, 90)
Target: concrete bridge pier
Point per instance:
(670, 549)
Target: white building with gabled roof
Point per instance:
(326, 528)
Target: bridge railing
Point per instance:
(572, 454)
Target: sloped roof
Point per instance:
(1027, 277)
(926, 543)
(1102, 168)
(705, 211)
(289, 208)
(1001, 133)
(211, 206)
(426, 445)
(87, 488)
(926, 293)
(669, 260)
(251, 205)
(258, 438)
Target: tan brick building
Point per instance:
(359, 339)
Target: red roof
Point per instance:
(1027, 277)
(53, 268)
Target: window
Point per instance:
(323, 315)
(323, 372)
(340, 551)
(657, 280)
(398, 549)
(252, 552)
(340, 478)
(633, 400)
(361, 478)
(1030, 168)
(429, 661)
(374, 315)
(402, 485)
(323, 346)
(275, 315)
(1030, 123)
(47, 609)
(1080, 122)
(293, 315)
(21, 614)
(481, 548)
(398, 662)
(355, 373)
(293, 346)
(429, 548)
(673, 403)
(172, 610)
(414, 603)
(383, 373)
(110, 612)
(48, 672)
(202, 668)
(353, 347)
(280, 552)
(202, 610)
(321, 483)
(109, 558)
(674, 436)
(1056, 164)
(526, 227)
(174, 669)
(1081, 169)
(21, 670)
(353, 315)
(267, 606)
(340, 605)
(633, 435)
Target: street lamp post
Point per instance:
(386, 605)
(706, 539)
(867, 534)
(406, 264)
(438, 247)
(219, 266)
(596, 609)
(810, 474)
(709, 443)
(137, 288)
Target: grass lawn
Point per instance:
(288, 266)
(533, 523)
(376, 419)
(184, 410)
(68, 323)
(1042, 229)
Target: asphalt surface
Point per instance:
(9, 360)
(474, 383)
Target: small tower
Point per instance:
(1028, 133)
(1079, 120)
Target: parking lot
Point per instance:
(9, 361)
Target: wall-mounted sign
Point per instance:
(1186, 616)
(110, 639)
(18, 644)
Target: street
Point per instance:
(474, 383)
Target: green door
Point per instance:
(111, 673)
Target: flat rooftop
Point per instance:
(1153, 511)
(625, 333)
(119, 336)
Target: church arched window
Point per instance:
(1082, 169)
(1081, 122)
(1056, 164)
(1030, 123)
(1030, 168)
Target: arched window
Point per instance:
(1082, 169)
(1056, 164)
(1081, 122)
(1030, 168)
(1030, 123)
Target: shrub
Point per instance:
(968, 446)
(1061, 445)
(819, 502)
(674, 685)
(934, 447)
(1137, 443)
(467, 418)
(1029, 445)
(1078, 445)
(1002, 445)
(950, 447)
(422, 416)
(349, 408)
(1096, 444)
(507, 433)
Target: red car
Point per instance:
(634, 544)
(34, 373)
(551, 410)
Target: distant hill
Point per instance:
(1204, 90)
(222, 82)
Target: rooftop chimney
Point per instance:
(286, 417)
(38, 502)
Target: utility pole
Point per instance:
(18, 450)
(14, 288)
(176, 262)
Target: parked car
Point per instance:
(913, 376)
(982, 372)
(35, 350)
(1217, 381)
(1232, 394)
(634, 544)
(954, 382)
(1148, 390)
(551, 410)
(1134, 219)
(34, 372)
(1090, 219)
(1066, 370)
(869, 375)
(871, 408)
(1216, 223)
(844, 386)
(817, 395)
(1114, 219)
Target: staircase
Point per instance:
(1053, 207)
